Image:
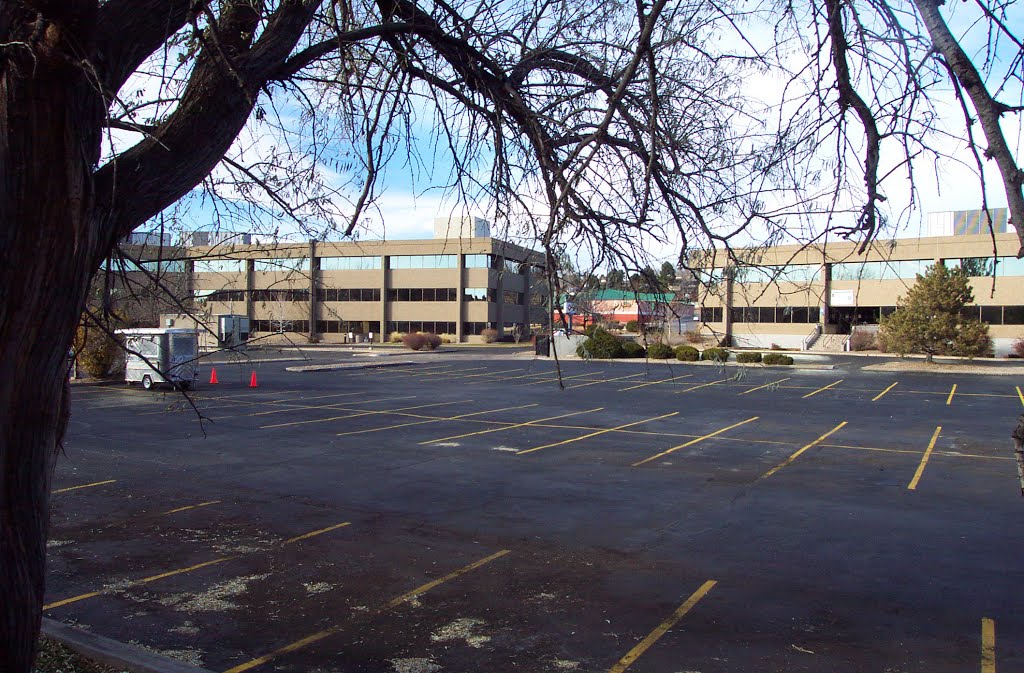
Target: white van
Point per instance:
(161, 355)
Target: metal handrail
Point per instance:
(811, 338)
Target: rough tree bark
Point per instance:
(50, 114)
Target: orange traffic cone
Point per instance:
(213, 375)
(252, 380)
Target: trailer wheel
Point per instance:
(147, 382)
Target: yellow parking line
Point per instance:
(358, 414)
(564, 378)
(662, 628)
(595, 434)
(952, 391)
(1020, 395)
(434, 420)
(881, 394)
(767, 385)
(821, 390)
(654, 383)
(172, 573)
(594, 383)
(924, 460)
(320, 635)
(202, 504)
(796, 455)
(694, 441)
(314, 533)
(75, 488)
(705, 385)
(145, 580)
(509, 427)
(988, 645)
(289, 407)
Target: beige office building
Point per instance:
(788, 295)
(337, 292)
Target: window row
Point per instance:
(423, 294)
(423, 262)
(890, 270)
(791, 273)
(776, 314)
(278, 326)
(407, 326)
(219, 295)
(350, 294)
(282, 264)
(349, 263)
(995, 315)
(219, 265)
(346, 326)
(475, 328)
(988, 266)
(479, 294)
(280, 295)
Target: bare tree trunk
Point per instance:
(50, 114)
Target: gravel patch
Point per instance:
(215, 599)
(414, 666)
(461, 629)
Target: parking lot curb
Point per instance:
(118, 655)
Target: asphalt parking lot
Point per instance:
(467, 514)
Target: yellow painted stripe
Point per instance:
(767, 385)
(422, 589)
(510, 427)
(796, 455)
(595, 434)
(988, 645)
(662, 628)
(563, 378)
(361, 413)
(654, 383)
(75, 488)
(74, 599)
(952, 391)
(705, 385)
(881, 394)
(188, 507)
(694, 441)
(1020, 395)
(296, 406)
(594, 383)
(306, 536)
(434, 420)
(320, 635)
(181, 571)
(821, 390)
(924, 460)
(298, 644)
(145, 580)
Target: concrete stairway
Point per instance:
(830, 343)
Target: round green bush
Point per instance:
(715, 355)
(687, 353)
(632, 349)
(601, 346)
(777, 359)
(748, 358)
(632, 326)
(660, 351)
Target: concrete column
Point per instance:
(460, 287)
(499, 314)
(384, 306)
(826, 295)
(727, 309)
(314, 272)
(250, 281)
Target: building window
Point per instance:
(278, 326)
(477, 294)
(422, 294)
(409, 326)
(889, 270)
(350, 294)
(280, 295)
(512, 297)
(349, 263)
(282, 264)
(219, 265)
(423, 262)
(474, 327)
(711, 314)
(1012, 315)
(477, 261)
(219, 295)
(345, 326)
(993, 315)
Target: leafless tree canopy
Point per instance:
(592, 127)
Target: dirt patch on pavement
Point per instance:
(946, 368)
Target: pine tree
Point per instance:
(929, 318)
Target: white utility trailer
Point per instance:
(161, 355)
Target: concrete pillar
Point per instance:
(314, 303)
(460, 313)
